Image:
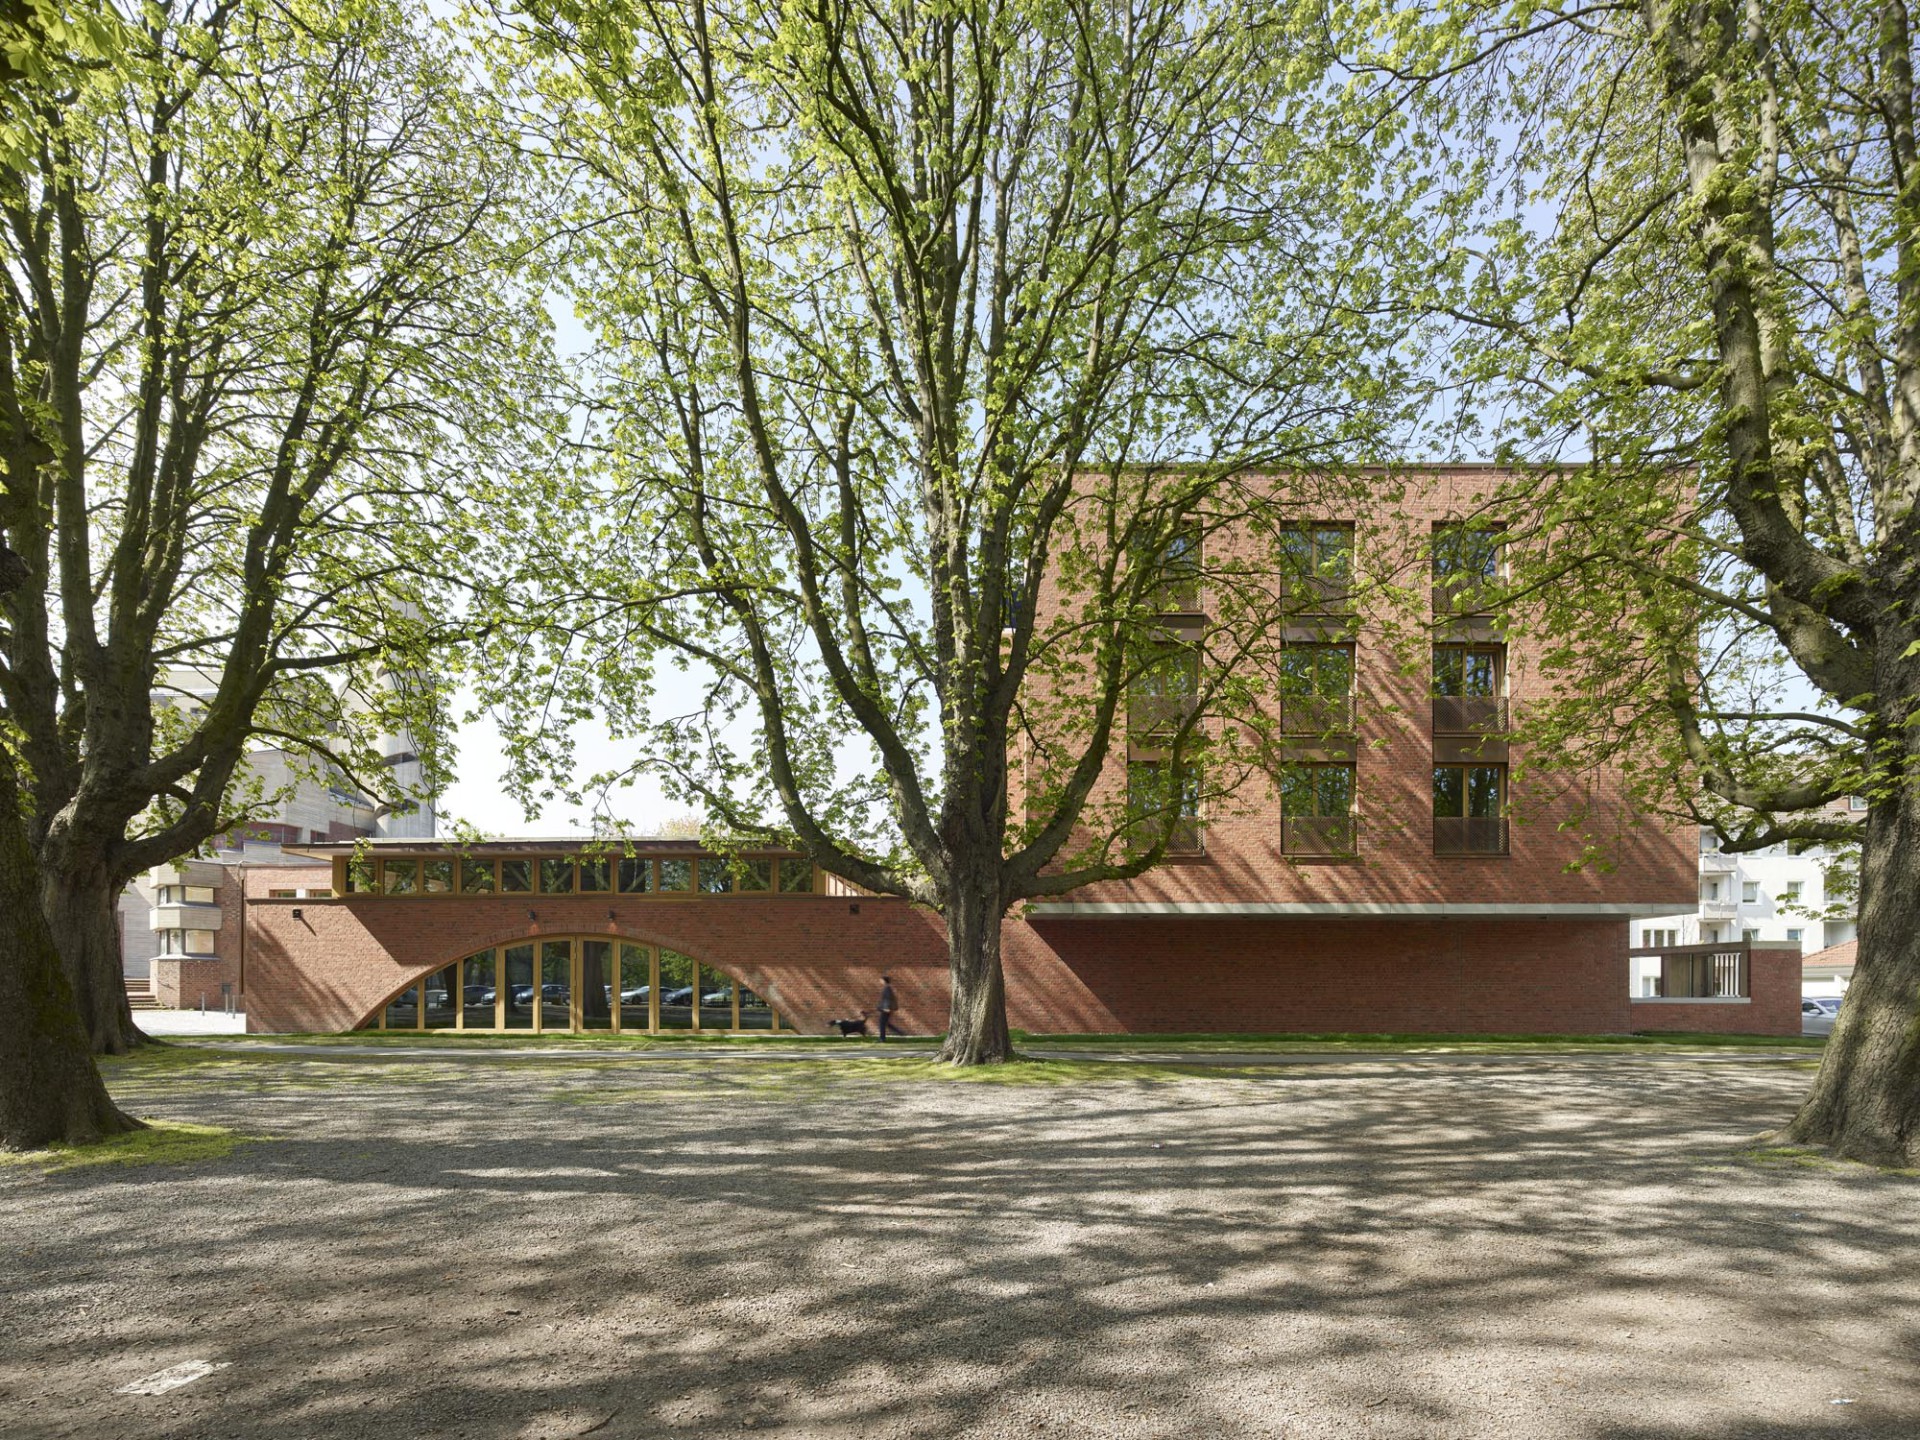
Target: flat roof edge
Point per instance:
(1440, 909)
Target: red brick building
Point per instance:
(1390, 867)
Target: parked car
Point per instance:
(479, 994)
(682, 996)
(636, 996)
(718, 999)
(1817, 1014)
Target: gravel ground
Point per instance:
(1564, 1247)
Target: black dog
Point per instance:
(850, 1027)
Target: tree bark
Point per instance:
(80, 906)
(1865, 1101)
(50, 1089)
(977, 1019)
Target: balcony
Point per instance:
(1719, 909)
(1469, 714)
(1712, 862)
(1316, 714)
(1317, 834)
(1469, 835)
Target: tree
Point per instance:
(935, 345)
(50, 1088)
(260, 314)
(1684, 243)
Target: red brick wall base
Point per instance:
(179, 984)
(817, 958)
(1773, 1009)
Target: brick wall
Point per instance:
(1557, 821)
(1773, 978)
(817, 957)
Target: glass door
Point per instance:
(594, 998)
(554, 997)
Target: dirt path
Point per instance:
(514, 1248)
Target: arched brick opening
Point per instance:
(326, 965)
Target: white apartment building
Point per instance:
(1762, 896)
(179, 904)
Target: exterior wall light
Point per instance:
(296, 912)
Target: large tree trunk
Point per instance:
(1865, 1102)
(977, 1021)
(50, 1089)
(81, 906)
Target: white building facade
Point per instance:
(1769, 897)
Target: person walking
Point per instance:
(887, 1004)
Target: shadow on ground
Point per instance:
(1581, 1250)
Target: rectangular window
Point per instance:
(596, 874)
(320, 894)
(636, 875)
(1160, 800)
(1469, 690)
(1712, 890)
(476, 877)
(402, 877)
(436, 877)
(283, 894)
(1465, 553)
(716, 877)
(1469, 810)
(1160, 698)
(516, 876)
(1316, 810)
(796, 877)
(1794, 888)
(756, 875)
(1177, 582)
(1794, 935)
(1750, 893)
(556, 877)
(676, 874)
(360, 877)
(1316, 688)
(1318, 552)
(1467, 670)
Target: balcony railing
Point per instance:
(1461, 595)
(1321, 594)
(1469, 714)
(1185, 837)
(1469, 835)
(1158, 714)
(1316, 714)
(1317, 834)
(1720, 971)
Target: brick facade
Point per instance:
(1394, 937)
(1773, 977)
(816, 958)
